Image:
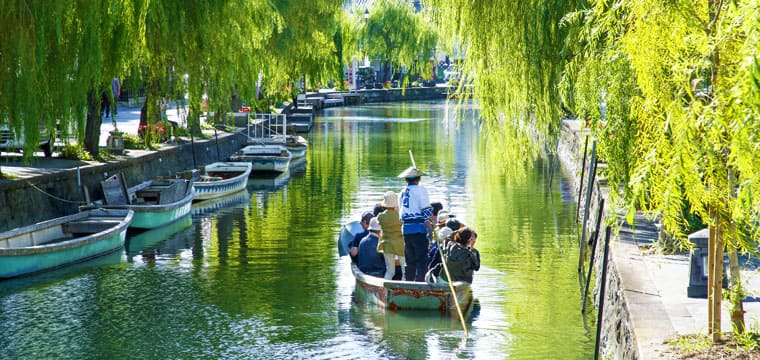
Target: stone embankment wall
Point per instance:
(409, 94)
(618, 339)
(58, 193)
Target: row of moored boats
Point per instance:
(101, 228)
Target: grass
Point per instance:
(732, 346)
(692, 343)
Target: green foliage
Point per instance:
(692, 343)
(670, 148)
(133, 142)
(75, 151)
(513, 57)
(398, 36)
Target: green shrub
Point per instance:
(133, 142)
(75, 152)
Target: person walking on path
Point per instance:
(415, 212)
(116, 92)
(392, 241)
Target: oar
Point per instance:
(451, 286)
(412, 157)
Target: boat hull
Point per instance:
(264, 157)
(17, 261)
(297, 151)
(409, 295)
(153, 216)
(216, 188)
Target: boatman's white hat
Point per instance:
(411, 173)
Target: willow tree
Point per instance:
(397, 36)
(212, 48)
(679, 81)
(55, 59)
(304, 46)
(513, 57)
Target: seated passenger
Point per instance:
(434, 255)
(369, 260)
(353, 246)
(462, 259)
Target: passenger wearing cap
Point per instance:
(391, 241)
(369, 260)
(416, 213)
(354, 245)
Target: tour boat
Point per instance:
(155, 202)
(404, 295)
(264, 157)
(61, 241)
(222, 178)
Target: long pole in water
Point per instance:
(593, 251)
(412, 157)
(602, 292)
(451, 287)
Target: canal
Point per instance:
(257, 275)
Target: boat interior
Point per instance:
(59, 232)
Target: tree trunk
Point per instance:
(736, 289)
(717, 280)
(92, 123)
(737, 293)
(710, 273)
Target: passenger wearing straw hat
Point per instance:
(392, 241)
(415, 212)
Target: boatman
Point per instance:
(415, 213)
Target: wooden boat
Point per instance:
(410, 295)
(221, 178)
(61, 241)
(403, 295)
(155, 202)
(296, 144)
(264, 157)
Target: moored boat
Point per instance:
(222, 178)
(156, 202)
(264, 157)
(296, 144)
(61, 241)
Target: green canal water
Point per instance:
(256, 275)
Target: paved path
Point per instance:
(127, 120)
